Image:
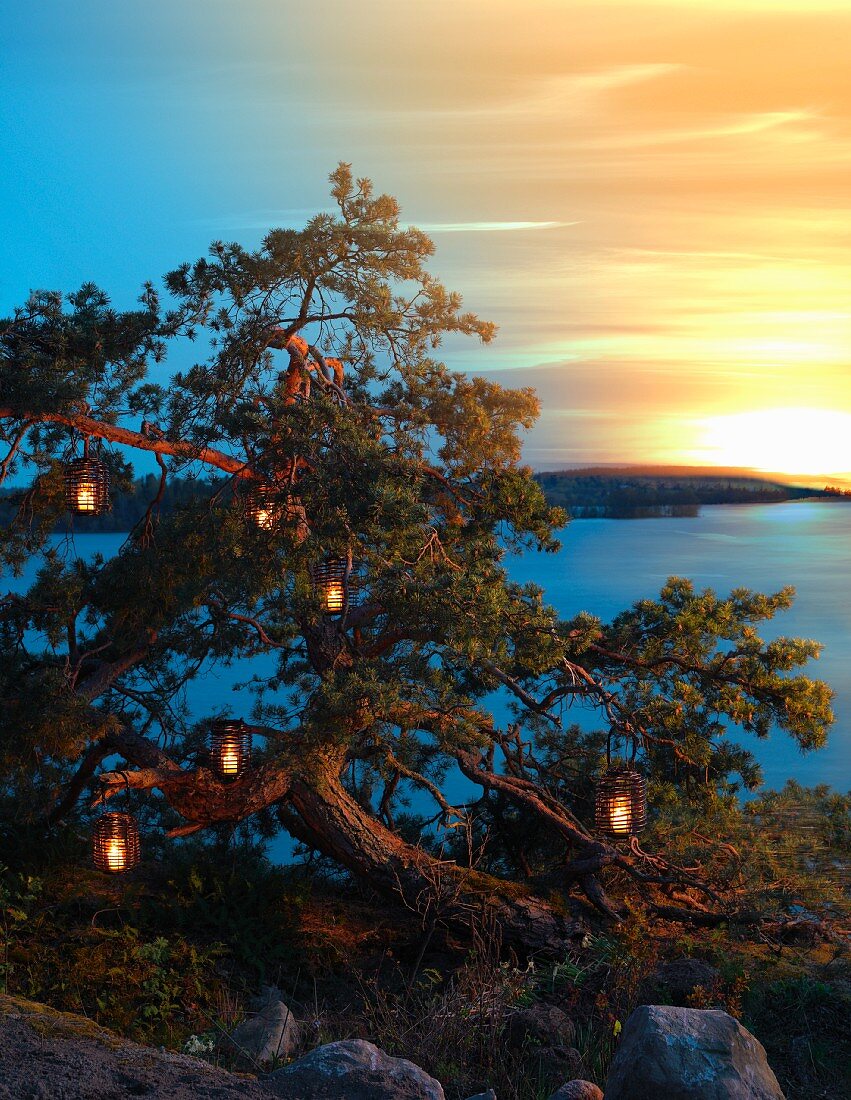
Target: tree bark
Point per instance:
(126, 436)
(319, 811)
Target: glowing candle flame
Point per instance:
(620, 813)
(335, 596)
(86, 497)
(116, 856)
(229, 758)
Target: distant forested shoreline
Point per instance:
(584, 494)
(620, 495)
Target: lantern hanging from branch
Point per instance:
(261, 507)
(115, 843)
(332, 584)
(620, 808)
(230, 747)
(87, 485)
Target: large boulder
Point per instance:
(270, 1033)
(689, 1054)
(353, 1070)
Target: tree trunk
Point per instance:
(314, 806)
(320, 812)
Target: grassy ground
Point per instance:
(176, 952)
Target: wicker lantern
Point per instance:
(87, 486)
(620, 808)
(115, 843)
(230, 747)
(261, 508)
(331, 585)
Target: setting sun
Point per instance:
(790, 440)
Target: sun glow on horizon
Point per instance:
(784, 440)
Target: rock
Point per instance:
(553, 1064)
(50, 1055)
(270, 1033)
(674, 982)
(353, 1070)
(543, 1034)
(577, 1090)
(541, 1023)
(689, 1054)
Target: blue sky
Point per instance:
(650, 199)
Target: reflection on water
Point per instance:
(605, 565)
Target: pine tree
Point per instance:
(317, 380)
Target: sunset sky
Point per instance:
(653, 201)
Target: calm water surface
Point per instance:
(605, 565)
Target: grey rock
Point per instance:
(353, 1070)
(689, 1054)
(541, 1023)
(674, 982)
(270, 1032)
(578, 1090)
(49, 1055)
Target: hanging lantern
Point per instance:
(261, 507)
(87, 486)
(230, 747)
(115, 843)
(331, 585)
(620, 809)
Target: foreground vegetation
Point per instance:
(172, 955)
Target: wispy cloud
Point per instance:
(620, 76)
(746, 124)
(490, 227)
(552, 95)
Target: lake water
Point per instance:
(605, 565)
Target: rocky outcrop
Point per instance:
(49, 1055)
(689, 1054)
(665, 1053)
(269, 1034)
(353, 1070)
